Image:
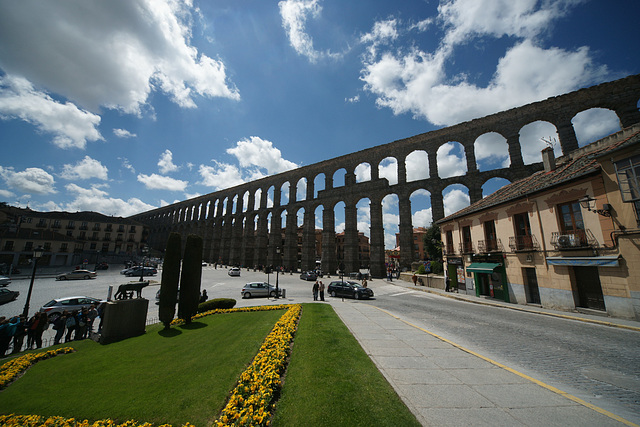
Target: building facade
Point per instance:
(67, 238)
(567, 237)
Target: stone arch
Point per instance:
(257, 199)
(417, 165)
(301, 189)
(245, 201)
(492, 151)
(339, 177)
(593, 124)
(390, 219)
(318, 184)
(388, 168)
(271, 196)
(421, 212)
(532, 143)
(451, 159)
(284, 193)
(363, 172)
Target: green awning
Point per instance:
(482, 267)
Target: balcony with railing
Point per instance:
(448, 249)
(487, 246)
(575, 239)
(524, 243)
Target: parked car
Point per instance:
(158, 296)
(309, 275)
(7, 295)
(234, 271)
(349, 289)
(260, 289)
(4, 280)
(55, 307)
(102, 266)
(77, 274)
(135, 271)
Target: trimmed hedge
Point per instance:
(216, 303)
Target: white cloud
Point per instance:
(294, 15)
(220, 177)
(97, 200)
(363, 172)
(110, 54)
(31, 180)
(388, 168)
(86, 168)
(70, 126)
(593, 124)
(165, 164)
(416, 82)
(6, 194)
(422, 218)
(123, 133)
(450, 163)
(126, 164)
(259, 153)
(454, 200)
(158, 182)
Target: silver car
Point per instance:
(77, 274)
(4, 280)
(260, 289)
(56, 306)
(234, 271)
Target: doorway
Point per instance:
(589, 288)
(531, 285)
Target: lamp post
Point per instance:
(144, 251)
(278, 250)
(37, 253)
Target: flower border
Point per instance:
(251, 402)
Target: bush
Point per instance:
(170, 278)
(436, 267)
(216, 303)
(421, 269)
(190, 278)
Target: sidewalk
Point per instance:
(446, 385)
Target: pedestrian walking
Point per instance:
(59, 326)
(81, 325)
(204, 296)
(316, 287)
(321, 289)
(21, 332)
(92, 313)
(70, 324)
(447, 284)
(415, 279)
(43, 325)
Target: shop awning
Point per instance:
(585, 261)
(482, 267)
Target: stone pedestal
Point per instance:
(124, 319)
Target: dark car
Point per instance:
(7, 295)
(102, 266)
(135, 271)
(309, 275)
(349, 289)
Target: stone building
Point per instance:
(567, 237)
(67, 238)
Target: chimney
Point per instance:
(548, 159)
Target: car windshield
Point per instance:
(50, 303)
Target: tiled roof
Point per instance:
(575, 165)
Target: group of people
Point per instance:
(76, 325)
(318, 288)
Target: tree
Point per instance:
(190, 278)
(432, 243)
(170, 278)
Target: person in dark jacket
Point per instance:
(18, 337)
(59, 326)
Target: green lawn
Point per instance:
(186, 375)
(332, 382)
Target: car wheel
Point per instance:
(332, 293)
(272, 294)
(247, 295)
(87, 277)
(62, 278)
(356, 295)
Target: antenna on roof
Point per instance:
(550, 141)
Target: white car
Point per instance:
(234, 271)
(77, 274)
(56, 306)
(4, 280)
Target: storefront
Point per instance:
(455, 272)
(490, 279)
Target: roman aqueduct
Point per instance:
(234, 222)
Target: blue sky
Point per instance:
(126, 105)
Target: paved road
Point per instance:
(598, 364)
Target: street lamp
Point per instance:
(278, 250)
(589, 204)
(144, 251)
(37, 253)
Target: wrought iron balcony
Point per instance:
(576, 239)
(487, 246)
(524, 243)
(466, 247)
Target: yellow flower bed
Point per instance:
(12, 369)
(251, 402)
